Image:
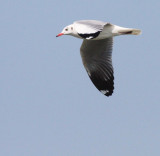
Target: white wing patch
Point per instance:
(104, 91)
(89, 37)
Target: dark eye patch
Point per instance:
(66, 29)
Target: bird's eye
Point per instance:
(66, 29)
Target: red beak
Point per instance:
(60, 34)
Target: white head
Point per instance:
(68, 30)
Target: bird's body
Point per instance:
(96, 49)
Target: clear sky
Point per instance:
(49, 106)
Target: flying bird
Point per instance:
(96, 49)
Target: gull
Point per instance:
(96, 49)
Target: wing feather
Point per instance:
(89, 29)
(97, 60)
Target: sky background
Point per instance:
(49, 106)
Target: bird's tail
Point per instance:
(126, 31)
(129, 31)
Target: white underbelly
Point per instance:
(106, 33)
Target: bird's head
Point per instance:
(68, 30)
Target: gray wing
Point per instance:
(97, 60)
(89, 29)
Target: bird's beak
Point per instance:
(60, 34)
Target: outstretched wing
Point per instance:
(97, 60)
(89, 29)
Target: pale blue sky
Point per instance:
(49, 106)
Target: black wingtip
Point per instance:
(108, 91)
(106, 87)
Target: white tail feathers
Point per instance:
(125, 31)
(135, 31)
(129, 31)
